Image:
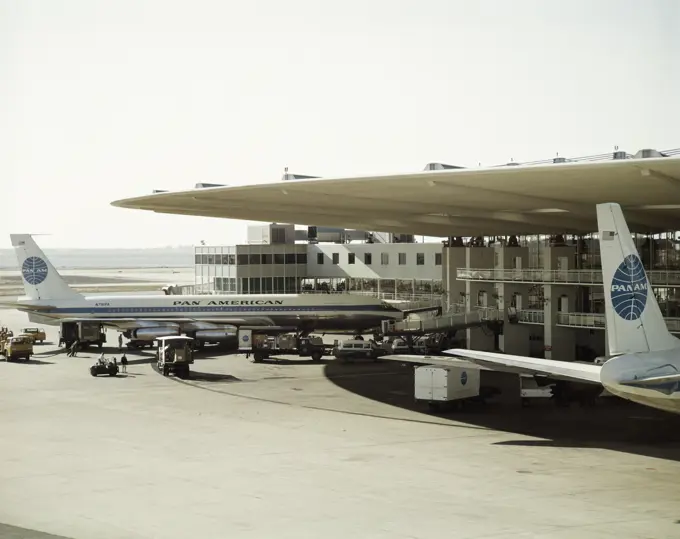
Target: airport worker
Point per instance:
(74, 348)
(120, 342)
(124, 362)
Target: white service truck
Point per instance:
(446, 387)
(87, 333)
(263, 345)
(174, 355)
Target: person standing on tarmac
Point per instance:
(74, 348)
(123, 363)
(120, 342)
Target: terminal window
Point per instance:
(368, 258)
(384, 259)
(319, 258)
(279, 258)
(267, 258)
(420, 259)
(350, 258)
(402, 259)
(336, 258)
(437, 259)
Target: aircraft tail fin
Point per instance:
(633, 317)
(41, 280)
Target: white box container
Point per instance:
(443, 384)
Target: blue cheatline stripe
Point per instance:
(217, 309)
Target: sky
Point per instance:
(102, 100)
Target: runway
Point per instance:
(301, 450)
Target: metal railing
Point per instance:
(531, 316)
(597, 321)
(656, 277)
(581, 320)
(587, 320)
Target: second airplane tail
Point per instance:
(41, 280)
(633, 317)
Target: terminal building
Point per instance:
(278, 259)
(536, 273)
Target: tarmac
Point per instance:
(296, 449)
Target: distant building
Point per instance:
(272, 262)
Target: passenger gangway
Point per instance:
(441, 324)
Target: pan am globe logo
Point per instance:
(34, 270)
(629, 289)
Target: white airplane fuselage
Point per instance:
(340, 312)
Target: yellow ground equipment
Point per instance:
(19, 347)
(38, 334)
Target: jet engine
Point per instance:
(212, 335)
(151, 334)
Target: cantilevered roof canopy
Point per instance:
(523, 199)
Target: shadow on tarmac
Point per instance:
(197, 376)
(612, 423)
(39, 362)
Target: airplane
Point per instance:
(644, 363)
(50, 300)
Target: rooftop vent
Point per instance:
(440, 166)
(205, 185)
(288, 176)
(647, 153)
(618, 154)
(559, 160)
(159, 191)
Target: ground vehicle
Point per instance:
(400, 346)
(19, 347)
(88, 333)
(38, 334)
(174, 355)
(358, 349)
(262, 346)
(104, 366)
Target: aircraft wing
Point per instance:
(559, 370)
(434, 360)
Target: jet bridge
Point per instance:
(439, 332)
(441, 324)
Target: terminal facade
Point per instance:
(547, 290)
(281, 260)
